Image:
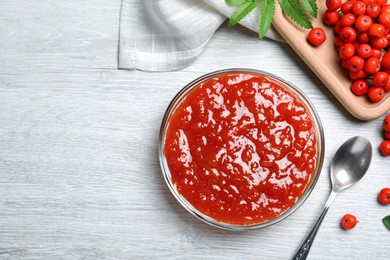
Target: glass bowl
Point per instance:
(177, 100)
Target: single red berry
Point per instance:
(359, 87)
(385, 147)
(386, 61)
(387, 135)
(316, 36)
(364, 50)
(347, 20)
(376, 53)
(375, 94)
(346, 7)
(386, 123)
(348, 34)
(372, 65)
(376, 30)
(361, 74)
(384, 19)
(358, 8)
(385, 9)
(384, 196)
(373, 10)
(379, 42)
(363, 37)
(331, 17)
(363, 23)
(355, 64)
(380, 79)
(349, 221)
(346, 51)
(333, 5)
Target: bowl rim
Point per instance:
(180, 96)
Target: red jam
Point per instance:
(241, 149)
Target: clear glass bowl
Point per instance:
(289, 87)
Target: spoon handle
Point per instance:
(305, 247)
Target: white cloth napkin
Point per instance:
(167, 35)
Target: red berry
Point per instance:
(384, 19)
(384, 196)
(375, 94)
(316, 36)
(386, 61)
(363, 23)
(380, 79)
(348, 221)
(385, 147)
(358, 8)
(358, 75)
(333, 5)
(364, 50)
(363, 37)
(359, 87)
(346, 51)
(376, 53)
(355, 64)
(387, 135)
(346, 7)
(372, 65)
(379, 42)
(348, 34)
(385, 9)
(386, 123)
(373, 10)
(331, 17)
(347, 20)
(376, 30)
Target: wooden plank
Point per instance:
(325, 63)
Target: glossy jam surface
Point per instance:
(241, 149)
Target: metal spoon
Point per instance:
(349, 165)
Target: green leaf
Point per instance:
(267, 10)
(386, 221)
(236, 2)
(241, 11)
(310, 6)
(293, 9)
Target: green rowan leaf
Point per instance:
(310, 6)
(236, 2)
(293, 9)
(267, 10)
(386, 221)
(241, 11)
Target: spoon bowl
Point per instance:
(349, 165)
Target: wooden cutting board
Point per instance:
(325, 63)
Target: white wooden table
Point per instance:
(79, 172)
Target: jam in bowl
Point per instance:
(241, 148)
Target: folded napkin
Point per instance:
(167, 35)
